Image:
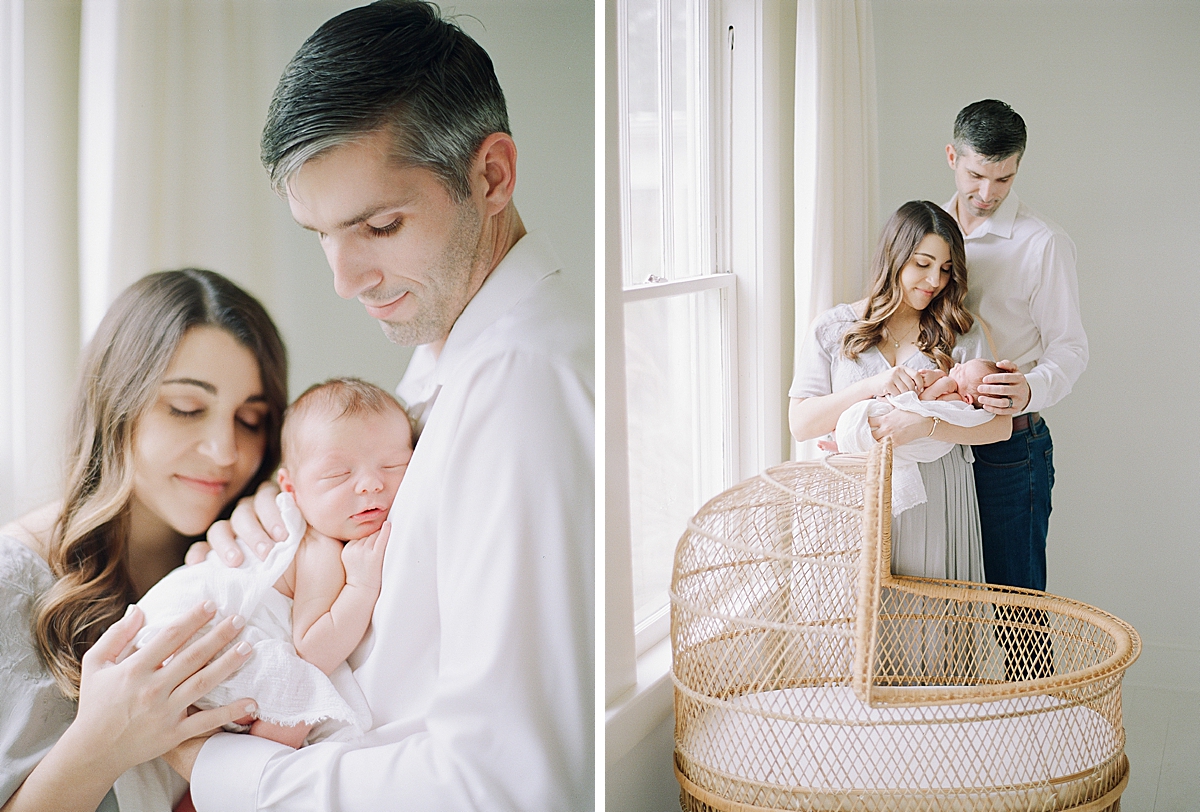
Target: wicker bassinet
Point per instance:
(808, 677)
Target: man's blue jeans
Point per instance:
(1013, 481)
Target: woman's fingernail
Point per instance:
(251, 707)
(129, 609)
(238, 621)
(230, 555)
(263, 549)
(210, 607)
(279, 532)
(242, 648)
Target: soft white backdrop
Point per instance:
(143, 116)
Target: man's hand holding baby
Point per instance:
(1005, 392)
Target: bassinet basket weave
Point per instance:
(808, 677)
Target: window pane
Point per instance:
(665, 115)
(677, 423)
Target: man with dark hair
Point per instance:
(1022, 283)
(388, 136)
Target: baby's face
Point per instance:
(347, 471)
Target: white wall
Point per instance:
(1110, 93)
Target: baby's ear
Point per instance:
(285, 481)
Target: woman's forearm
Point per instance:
(74, 776)
(996, 430)
(816, 416)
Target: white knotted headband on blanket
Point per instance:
(853, 436)
(288, 690)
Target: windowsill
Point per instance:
(633, 715)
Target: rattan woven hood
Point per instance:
(807, 677)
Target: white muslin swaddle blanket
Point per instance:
(853, 436)
(288, 690)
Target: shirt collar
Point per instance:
(531, 259)
(1001, 223)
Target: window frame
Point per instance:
(752, 148)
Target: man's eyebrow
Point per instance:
(205, 385)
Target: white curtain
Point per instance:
(172, 99)
(39, 336)
(128, 144)
(836, 158)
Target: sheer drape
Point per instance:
(129, 134)
(129, 144)
(39, 302)
(173, 94)
(836, 161)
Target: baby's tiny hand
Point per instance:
(363, 558)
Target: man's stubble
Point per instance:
(448, 287)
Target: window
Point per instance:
(677, 306)
(700, 129)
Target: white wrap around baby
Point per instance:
(853, 436)
(288, 690)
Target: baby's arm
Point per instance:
(929, 376)
(336, 589)
(939, 388)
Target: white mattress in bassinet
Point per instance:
(757, 737)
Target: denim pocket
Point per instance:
(1012, 453)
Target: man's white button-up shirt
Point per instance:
(478, 664)
(1021, 281)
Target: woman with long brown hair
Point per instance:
(176, 415)
(912, 319)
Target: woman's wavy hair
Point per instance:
(945, 318)
(118, 381)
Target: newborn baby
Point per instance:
(952, 397)
(346, 447)
(960, 384)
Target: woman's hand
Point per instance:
(895, 381)
(814, 416)
(133, 705)
(903, 427)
